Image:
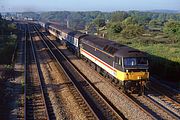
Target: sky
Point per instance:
(87, 5)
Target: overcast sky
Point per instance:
(87, 5)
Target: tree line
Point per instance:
(129, 24)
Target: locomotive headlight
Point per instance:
(127, 71)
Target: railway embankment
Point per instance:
(9, 86)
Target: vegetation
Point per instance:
(77, 20)
(7, 41)
(132, 30)
(116, 27)
(172, 28)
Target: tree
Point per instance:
(116, 27)
(77, 24)
(155, 23)
(142, 18)
(99, 22)
(172, 28)
(91, 28)
(119, 16)
(132, 31)
(129, 20)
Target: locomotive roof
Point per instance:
(112, 47)
(96, 41)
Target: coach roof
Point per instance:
(68, 31)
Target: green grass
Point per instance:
(168, 51)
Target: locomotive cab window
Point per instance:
(135, 61)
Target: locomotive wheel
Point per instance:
(116, 81)
(124, 87)
(93, 65)
(141, 91)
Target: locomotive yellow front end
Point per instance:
(134, 74)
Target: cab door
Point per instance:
(118, 63)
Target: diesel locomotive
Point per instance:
(126, 66)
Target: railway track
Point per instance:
(35, 106)
(77, 94)
(93, 101)
(164, 100)
(173, 94)
(21, 58)
(154, 108)
(165, 96)
(64, 95)
(148, 105)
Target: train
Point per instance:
(124, 65)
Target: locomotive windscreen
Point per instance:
(135, 61)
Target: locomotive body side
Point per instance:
(111, 60)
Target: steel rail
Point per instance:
(39, 73)
(75, 69)
(25, 71)
(64, 71)
(159, 105)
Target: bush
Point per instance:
(8, 48)
(131, 31)
(172, 28)
(116, 28)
